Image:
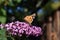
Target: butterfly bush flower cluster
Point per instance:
(20, 28)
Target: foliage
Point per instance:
(9, 2)
(3, 34)
(2, 20)
(55, 5)
(2, 15)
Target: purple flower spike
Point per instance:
(20, 28)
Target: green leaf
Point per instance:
(2, 19)
(1, 1)
(55, 5)
(18, 1)
(3, 34)
(10, 3)
(3, 16)
(3, 11)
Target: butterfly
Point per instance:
(30, 18)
